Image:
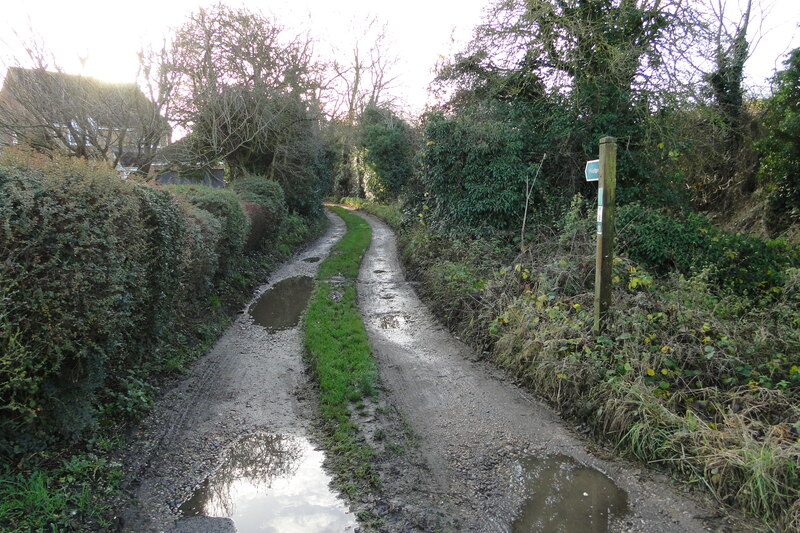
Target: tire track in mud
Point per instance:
(475, 429)
(252, 381)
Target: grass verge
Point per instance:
(339, 356)
(391, 214)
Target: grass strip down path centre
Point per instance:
(339, 356)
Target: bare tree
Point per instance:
(245, 91)
(81, 116)
(362, 76)
(365, 77)
(223, 47)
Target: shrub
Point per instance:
(271, 210)
(689, 245)
(164, 223)
(96, 275)
(72, 266)
(474, 167)
(224, 205)
(296, 230)
(199, 255)
(781, 148)
(388, 152)
(258, 226)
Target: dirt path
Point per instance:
(454, 440)
(247, 384)
(475, 429)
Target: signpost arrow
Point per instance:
(592, 171)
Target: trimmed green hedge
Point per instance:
(101, 280)
(226, 206)
(72, 270)
(267, 206)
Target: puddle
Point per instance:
(272, 483)
(311, 260)
(391, 321)
(280, 306)
(565, 496)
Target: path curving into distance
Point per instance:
(248, 394)
(484, 439)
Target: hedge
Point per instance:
(226, 206)
(266, 204)
(96, 274)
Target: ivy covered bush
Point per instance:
(475, 167)
(388, 153)
(691, 244)
(781, 148)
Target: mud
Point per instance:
(563, 495)
(473, 426)
(251, 382)
(281, 306)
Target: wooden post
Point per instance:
(606, 210)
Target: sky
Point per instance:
(107, 35)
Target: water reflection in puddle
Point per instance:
(281, 306)
(272, 483)
(565, 496)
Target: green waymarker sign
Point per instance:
(592, 171)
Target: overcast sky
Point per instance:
(108, 34)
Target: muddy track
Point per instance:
(248, 383)
(452, 437)
(476, 430)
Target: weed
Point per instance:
(692, 375)
(395, 449)
(62, 498)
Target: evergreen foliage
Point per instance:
(225, 206)
(102, 283)
(780, 165)
(72, 271)
(475, 166)
(269, 198)
(664, 243)
(389, 153)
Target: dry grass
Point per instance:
(690, 380)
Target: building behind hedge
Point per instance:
(81, 116)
